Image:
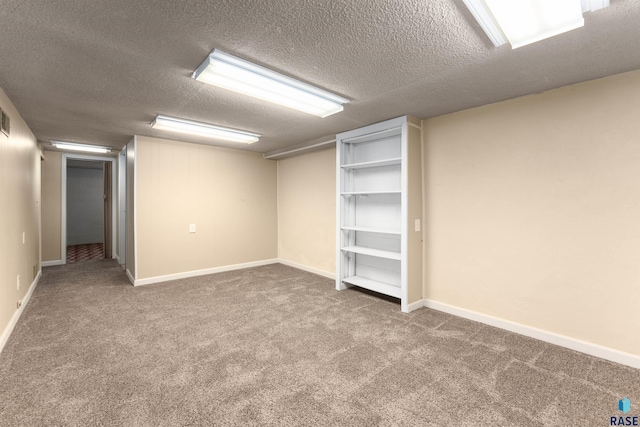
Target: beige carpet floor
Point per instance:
(278, 346)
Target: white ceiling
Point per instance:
(99, 71)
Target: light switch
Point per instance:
(23, 237)
(192, 228)
(417, 225)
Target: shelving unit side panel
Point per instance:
(341, 258)
(403, 221)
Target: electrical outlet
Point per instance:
(417, 225)
(23, 237)
(18, 282)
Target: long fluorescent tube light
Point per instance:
(528, 21)
(481, 12)
(230, 72)
(80, 147)
(203, 129)
(593, 5)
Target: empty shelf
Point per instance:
(372, 230)
(377, 163)
(372, 252)
(374, 285)
(355, 193)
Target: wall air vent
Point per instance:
(4, 123)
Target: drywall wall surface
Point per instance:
(532, 211)
(307, 210)
(51, 206)
(19, 212)
(85, 205)
(415, 242)
(130, 263)
(228, 195)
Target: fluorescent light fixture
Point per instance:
(80, 147)
(593, 5)
(481, 12)
(229, 72)
(203, 129)
(527, 21)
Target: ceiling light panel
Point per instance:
(230, 72)
(80, 147)
(593, 5)
(203, 129)
(481, 12)
(527, 21)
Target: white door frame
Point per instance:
(114, 197)
(122, 206)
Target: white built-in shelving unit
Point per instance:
(379, 210)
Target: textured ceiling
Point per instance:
(99, 71)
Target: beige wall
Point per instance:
(230, 195)
(130, 252)
(19, 211)
(307, 210)
(51, 206)
(533, 211)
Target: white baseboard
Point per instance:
(306, 268)
(51, 263)
(187, 274)
(415, 305)
(550, 337)
(16, 315)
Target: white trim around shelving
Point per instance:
(591, 349)
(404, 214)
(204, 272)
(415, 305)
(307, 268)
(375, 132)
(16, 315)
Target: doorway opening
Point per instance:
(88, 210)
